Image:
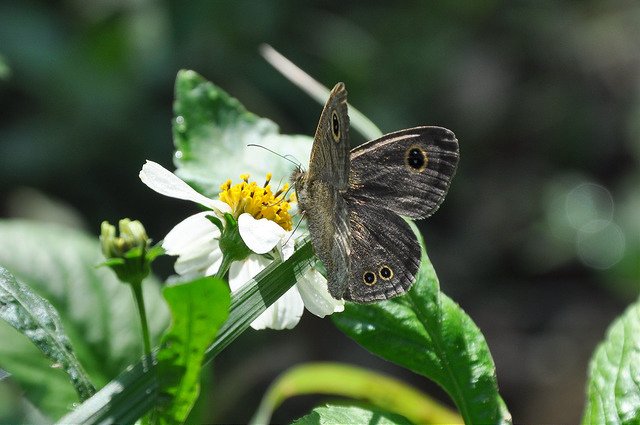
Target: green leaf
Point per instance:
(428, 333)
(613, 389)
(97, 311)
(132, 394)
(211, 131)
(350, 381)
(335, 414)
(38, 320)
(41, 385)
(198, 308)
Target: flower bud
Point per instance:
(130, 254)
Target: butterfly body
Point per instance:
(353, 201)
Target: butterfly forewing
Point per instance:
(329, 230)
(320, 191)
(329, 159)
(407, 172)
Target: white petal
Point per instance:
(215, 261)
(166, 183)
(261, 236)
(288, 247)
(241, 272)
(283, 314)
(315, 294)
(195, 241)
(205, 264)
(193, 230)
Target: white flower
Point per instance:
(195, 241)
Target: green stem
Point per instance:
(353, 382)
(136, 287)
(224, 266)
(137, 295)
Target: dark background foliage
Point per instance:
(538, 239)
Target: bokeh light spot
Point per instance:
(600, 244)
(589, 203)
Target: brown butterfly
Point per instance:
(354, 200)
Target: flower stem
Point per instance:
(147, 361)
(224, 266)
(137, 295)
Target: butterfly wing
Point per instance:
(320, 191)
(385, 254)
(328, 220)
(407, 172)
(329, 159)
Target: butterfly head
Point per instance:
(297, 176)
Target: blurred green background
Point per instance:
(538, 240)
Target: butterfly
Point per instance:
(354, 201)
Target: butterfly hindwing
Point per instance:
(407, 172)
(385, 254)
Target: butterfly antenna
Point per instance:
(282, 196)
(285, 157)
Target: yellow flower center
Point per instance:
(259, 201)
